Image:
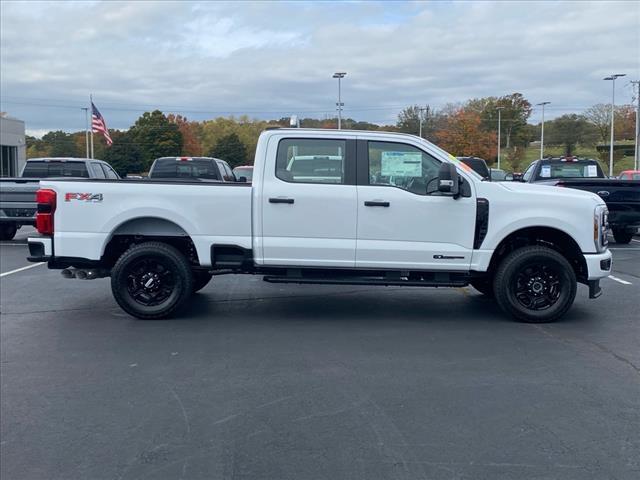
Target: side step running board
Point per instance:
(367, 281)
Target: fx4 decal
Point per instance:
(83, 197)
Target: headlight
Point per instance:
(601, 228)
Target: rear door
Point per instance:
(308, 200)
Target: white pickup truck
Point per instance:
(334, 207)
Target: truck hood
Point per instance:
(548, 190)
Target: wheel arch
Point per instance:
(551, 237)
(144, 229)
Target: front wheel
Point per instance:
(535, 284)
(622, 236)
(151, 280)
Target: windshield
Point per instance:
(560, 169)
(185, 169)
(44, 169)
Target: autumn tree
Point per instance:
(156, 137)
(60, 144)
(231, 149)
(191, 133)
(515, 111)
(463, 136)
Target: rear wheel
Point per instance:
(151, 280)
(535, 284)
(8, 231)
(200, 280)
(622, 236)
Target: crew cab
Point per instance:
(330, 207)
(18, 195)
(622, 196)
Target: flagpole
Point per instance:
(91, 106)
(86, 130)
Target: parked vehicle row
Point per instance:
(330, 206)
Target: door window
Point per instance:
(108, 171)
(402, 166)
(311, 160)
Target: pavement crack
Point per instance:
(184, 412)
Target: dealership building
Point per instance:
(13, 149)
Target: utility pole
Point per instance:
(636, 153)
(91, 131)
(542, 129)
(339, 76)
(499, 129)
(613, 108)
(86, 129)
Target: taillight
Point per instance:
(46, 200)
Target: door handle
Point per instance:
(281, 200)
(376, 203)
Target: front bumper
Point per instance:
(598, 264)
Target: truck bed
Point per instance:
(90, 211)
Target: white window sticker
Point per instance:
(401, 164)
(590, 171)
(546, 171)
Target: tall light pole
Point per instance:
(339, 76)
(636, 153)
(499, 131)
(542, 128)
(421, 110)
(613, 107)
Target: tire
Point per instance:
(484, 286)
(8, 231)
(165, 267)
(535, 284)
(200, 280)
(622, 236)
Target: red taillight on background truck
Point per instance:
(46, 200)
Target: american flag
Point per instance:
(99, 125)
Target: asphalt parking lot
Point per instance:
(265, 381)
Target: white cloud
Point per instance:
(271, 59)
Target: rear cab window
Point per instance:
(183, 168)
(45, 169)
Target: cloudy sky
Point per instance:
(268, 60)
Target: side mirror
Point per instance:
(448, 181)
(242, 179)
(509, 177)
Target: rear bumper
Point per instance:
(598, 265)
(40, 249)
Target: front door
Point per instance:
(400, 226)
(309, 204)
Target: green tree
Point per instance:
(231, 149)
(516, 110)
(60, 144)
(124, 155)
(569, 131)
(156, 137)
(409, 121)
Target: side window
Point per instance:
(96, 170)
(528, 172)
(228, 174)
(306, 160)
(403, 166)
(109, 172)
